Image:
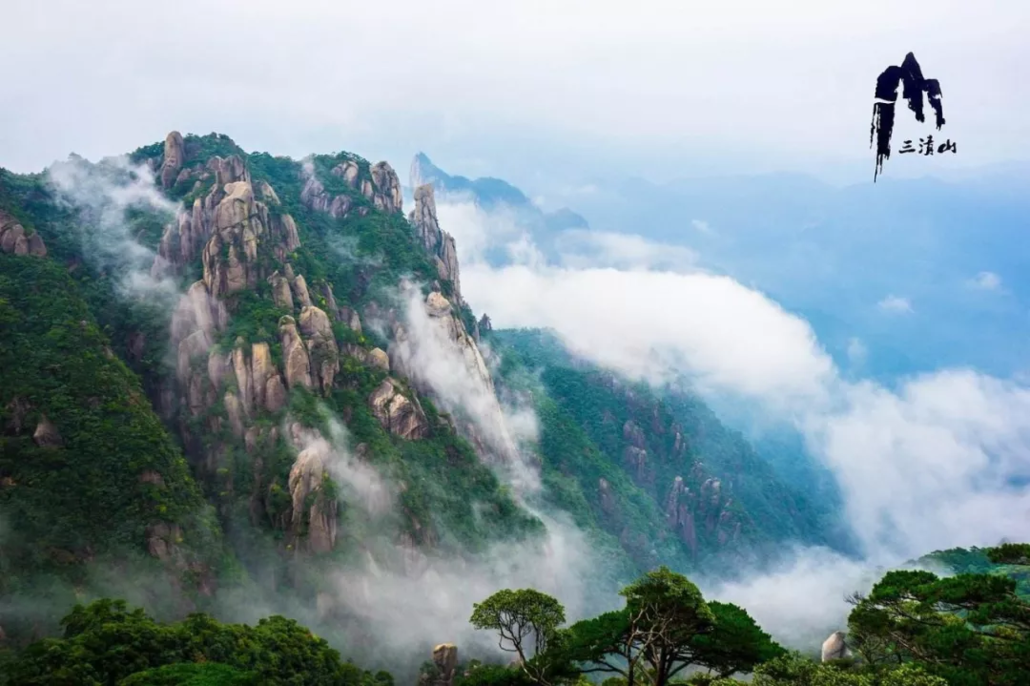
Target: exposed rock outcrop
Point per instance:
(437, 242)
(46, 434)
(225, 225)
(322, 350)
(300, 291)
(397, 413)
(282, 294)
(162, 541)
(679, 512)
(378, 358)
(834, 647)
(175, 155)
(315, 196)
(268, 193)
(383, 190)
(438, 339)
(387, 188)
(258, 384)
(348, 171)
(296, 363)
(314, 515)
(13, 238)
(445, 665)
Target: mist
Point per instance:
(931, 462)
(103, 195)
(389, 602)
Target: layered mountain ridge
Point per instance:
(277, 381)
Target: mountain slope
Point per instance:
(655, 467)
(268, 385)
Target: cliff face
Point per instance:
(436, 242)
(283, 402)
(318, 360)
(247, 247)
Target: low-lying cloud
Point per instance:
(940, 460)
(103, 194)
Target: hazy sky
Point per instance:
(481, 85)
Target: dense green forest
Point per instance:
(680, 487)
(913, 629)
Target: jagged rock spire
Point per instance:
(437, 242)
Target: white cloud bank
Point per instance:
(942, 460)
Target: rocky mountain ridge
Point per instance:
(263, 360)
(317, 381)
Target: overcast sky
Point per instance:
(479, 83)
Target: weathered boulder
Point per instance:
(351, 318)
(232, 248)
(240, 221)
(284, 231)
(266, 385)
(163, 539)
(239, 226)
(14, 239)
(46, 434)
(243, 376)
(329, 300)
(234, 411)
(387, 195)
(634, 435)
(316, 197)
(834, 647)
(296, 363)
(300, 291)
(281, 292)
(445, 664)
(348, 171)
(311, 505)
(323, 352)
(193, 382)
(636, 463)
(227, 170)
(377, 357)
(198, 311)
(340, 206)
(175, 155)
(268, 193)
(396, 413)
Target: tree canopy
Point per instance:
(968, 628)
(105, 643)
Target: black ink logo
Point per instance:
(910, 76)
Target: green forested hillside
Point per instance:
(99, 362)
(655, 467)
(88, 473)
(976, 561)
(204, 390)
